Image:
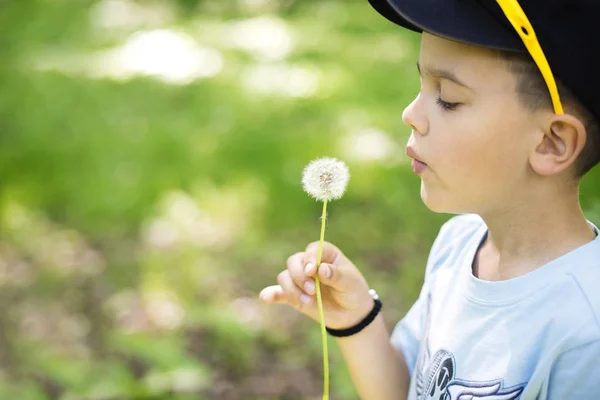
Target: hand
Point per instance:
(344, 290)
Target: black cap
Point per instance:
(567, 30)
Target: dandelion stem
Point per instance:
(320, 306)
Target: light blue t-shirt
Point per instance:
(534, 337)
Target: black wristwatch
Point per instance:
(362, 324)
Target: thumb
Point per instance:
(330, 253)
(333, 276)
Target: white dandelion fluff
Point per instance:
(325, 178)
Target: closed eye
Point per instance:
(446, 105)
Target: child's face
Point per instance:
(477, 150)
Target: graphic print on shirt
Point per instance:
(436, 377)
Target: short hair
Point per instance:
(533, 93)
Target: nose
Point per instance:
(414, 117)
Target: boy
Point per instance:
(510, 306)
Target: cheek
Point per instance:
(477, 154)
(477, 157)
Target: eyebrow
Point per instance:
(443, 74)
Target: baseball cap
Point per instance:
(567, 30)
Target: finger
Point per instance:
(296, 267)
(331, 275)
(310, 269)
(273, 295)
(330, 254)
(295, 297)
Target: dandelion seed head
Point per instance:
(325, 178)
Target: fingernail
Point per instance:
(304, 299)
(308, 268)
(326, 270)
(309, 287)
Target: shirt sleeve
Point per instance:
(576, 374)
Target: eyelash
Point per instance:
(445, 105)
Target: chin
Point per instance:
(442, 202)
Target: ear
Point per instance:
(559, 146)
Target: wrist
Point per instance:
(366, 318)
(361, 313)
(353, 316)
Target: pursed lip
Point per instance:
(410, 152)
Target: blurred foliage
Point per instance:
(140, 217)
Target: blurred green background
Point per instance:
(150, 162)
